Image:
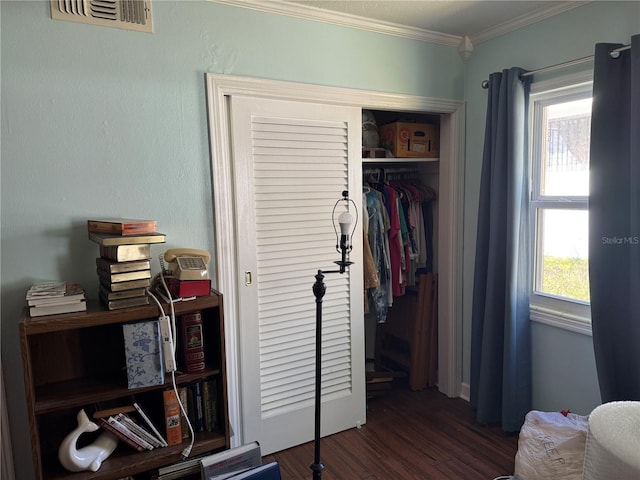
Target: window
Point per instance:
(560, 123)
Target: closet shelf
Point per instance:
(399, 160)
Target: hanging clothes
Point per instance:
(399, 229)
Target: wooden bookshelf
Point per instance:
(76, 360)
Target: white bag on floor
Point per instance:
(551, 446)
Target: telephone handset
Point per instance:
(187, 263)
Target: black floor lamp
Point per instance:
(343, 246)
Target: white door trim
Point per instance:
(220, 88)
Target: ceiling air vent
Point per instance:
(129, 14)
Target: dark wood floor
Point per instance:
(409, 435)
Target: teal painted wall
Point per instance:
(102, 122)
(105, 122)
(564, 375)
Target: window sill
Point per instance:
(565, 321)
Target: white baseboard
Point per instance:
(465, 391)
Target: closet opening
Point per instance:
(401, 187)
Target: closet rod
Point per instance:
(613, 53)
(369, 171)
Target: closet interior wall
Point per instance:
(424, 170)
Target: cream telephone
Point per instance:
(187, 263)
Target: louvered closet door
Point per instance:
(291, 163)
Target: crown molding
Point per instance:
(296, 10)
(306, 12)
(525, 20)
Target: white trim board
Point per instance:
(221, 87)
(306, 12)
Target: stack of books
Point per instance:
(131, 425)
(54, 297)
(124, 266)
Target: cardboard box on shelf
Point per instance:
(411, 140)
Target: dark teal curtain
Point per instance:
(614, 221)
(501, 336)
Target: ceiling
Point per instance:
(440, 21)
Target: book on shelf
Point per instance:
(104, 423)
(118, 425)
(107, 240)
(47, 289)
(42, 310)
(231, 461)
(191, 342)
(110, 267)
(122, 286)
(210, 404)
(149, 423)
(125, 302)
(122, 226)
(107, 294)
(139, 430)
(60, 293)
(143, 353)
(268, 471)
(172, 412)
(126, 253)
(194, 393)
(124, 276)
(55, 297)
(183, 395)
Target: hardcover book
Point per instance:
(110, 266)
(192, 342)
(124, 226)
(210, 401)
(172, 418)
(143, 352)
(125, 302)
(233, 460)
(126, 253)
(108, 240)
(121, 286)
(124, 276)
(109, 295)
(39, 311)
(195, 394)
(184, 400)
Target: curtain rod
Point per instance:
(613, 53)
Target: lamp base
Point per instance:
(317, 468)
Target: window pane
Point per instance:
(565, 163)
(563, 266)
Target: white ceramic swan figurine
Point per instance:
(91, 456)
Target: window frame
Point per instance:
(573, 315)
